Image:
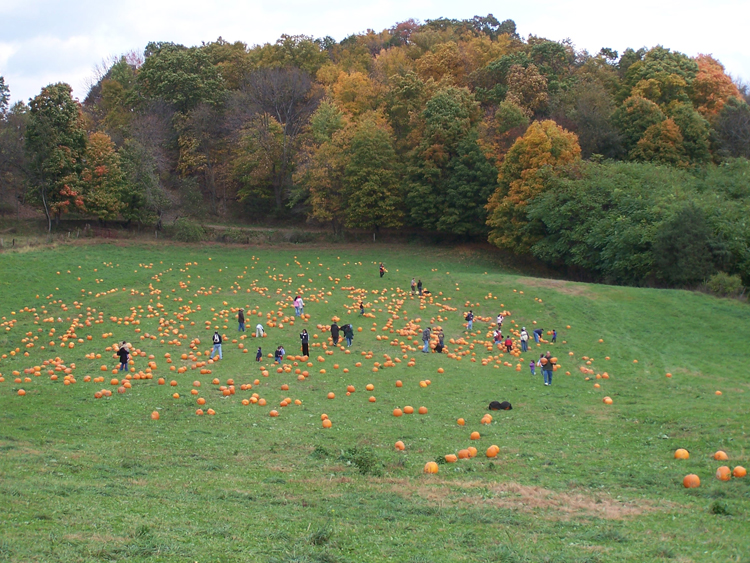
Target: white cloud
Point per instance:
(49, 40)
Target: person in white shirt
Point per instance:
(259, 332)
(524, 340)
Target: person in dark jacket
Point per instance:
(349, 334)
(419, 287)
(258, 355)
(382, 270)
(538, 334)
(426, 339)
(548, 368)
(305, 338)
(217, 345)
(124, 356)
(335, 333)
(241, 320)
(470, 320)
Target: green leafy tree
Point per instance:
(732, 127)
(4, 97)
(634, 117)
(662, 76)
(544, 146)
(144, 198)
(662, 143)
(371, 178)
(695, 132)
(56, 144)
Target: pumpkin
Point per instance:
(474, 436)
(691, 481)
(422, 410)
(681, 454)
(211, 412)
(370, 387)
(721, 456)
(492, 451)
(331, 395)
(400, 446)
(199, 412)
(398, 412)
(408, 409)
(21, 392)
(350, 389)
(607, 401)
(723, 473)
(463, 454)
(430, 467)
(155, 415)
(327, 423)
(274, 413)
(739, 471)
(399, 384)
(461, 422)
(472, 451)
(371, 399)
(451, 458)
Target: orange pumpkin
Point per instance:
(681, 454)
(371, 399)
(451, 458)
(274, 413)
(721, 456)
(739, 471)
(331, 395)
(422, 410)
(723, 473)
(474, 436)
(691, 481)
(399, 383)
(408, 409)
(461, 422)
(398, 412)
(327, 423)
(155, 415)
(430, 467)
(400, 446)
(492, 451)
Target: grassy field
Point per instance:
(575, 480)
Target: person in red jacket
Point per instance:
(508, 344)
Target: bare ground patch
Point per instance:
(514, 496)
(565, 287)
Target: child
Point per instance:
(532, 366)
(258, 355)
(361, 309)
(124, 356)
(554, 336)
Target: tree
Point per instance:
(283, 97)
(14, 165)
(56, 144)
(527, 89)
(355, 92)
(371, 178)
(102, 181)
(634, 117)
(694, 129)
(4, 97)
(544, 146)
(661, 76)
(712, 86)
(182, 76)
(143, 199)
(733, 129)
(662, 143)
(592, 114)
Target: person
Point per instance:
(124, 356)
(508, 344)
(441, 338)
(524, 337)
(532, 366)
(549, 368)
(554, 336)
(241, 320)
(498, 338)
(258, 354)
(382, 270)
(361, 309)
(538, 334)
(540, 364)
(413, 286)
(470, 319)
(299, 306)
(419, 287)
(500, 321)
(217, 345)
(348, 334)
(426, 339)
(335, 333)
(277, 357)
(259, 332)
(305, 338)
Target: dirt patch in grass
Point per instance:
(564, 287)
(514, 496)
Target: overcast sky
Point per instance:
(46, 41)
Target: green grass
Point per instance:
(83, 479)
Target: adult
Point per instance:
(426, 339)
(335, 333)
(470, 319)
(413, 286)
(548, 367)
(122, 351)
(382, 270)
(278, 355)
(241, 320)
(508, 344)
(305, 339)
(348, 334)
(361, 309)
(524, 337)
(538, 334)
(419, 287)
(500, 320)
(259, 332)
(498, 338)
(217, 345)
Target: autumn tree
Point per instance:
(662, 143)
(355, 92)
(544, 146)
(661, 76)
(56, 145)
(695, 132)
(102, 181)
(712, 86)
(527, 89)
(633, 117)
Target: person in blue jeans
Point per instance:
(241, 320)
(124, 356)
(217, 346)
(470, 320)
(554, 336)
(538, 334)
(549, 367)
(524, 340)
(532, 367)
(258, 355)
(426, 340)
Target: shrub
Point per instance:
(185, 230)
(724, 285)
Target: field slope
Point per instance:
(96, 479)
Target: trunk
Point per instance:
(46, 210)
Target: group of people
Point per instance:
(546, 363)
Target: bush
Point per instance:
(185, 230)
(236, 236)
(724, 285)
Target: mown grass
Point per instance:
(83, 479)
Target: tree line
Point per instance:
(628, 168)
